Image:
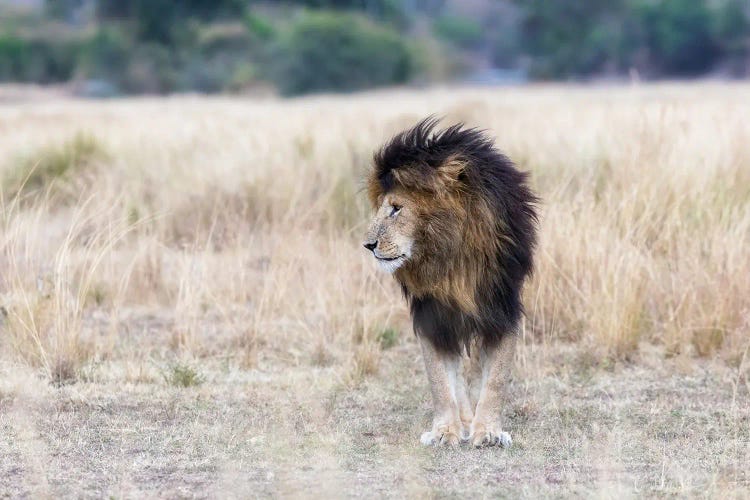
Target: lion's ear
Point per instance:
(452, 171)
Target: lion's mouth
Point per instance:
(390, 259)
(390, 264)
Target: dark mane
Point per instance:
(477, 242)
(420, 147)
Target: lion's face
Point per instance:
(390, 236)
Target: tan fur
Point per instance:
(486, 428)
(447, 423)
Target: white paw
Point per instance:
(441, 437)
(491, 437)
(505, 440)
(428, 439)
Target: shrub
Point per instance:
(259, 26)
(182, 375)
(221, 59)
(678, 35)
(54, 163)
(338, 52)
(387, 338)
(38, 60)
(460, 31)
(105, 55)
(731, 28)
(569, 39)
(152, 68)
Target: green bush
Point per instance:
(571, 38)
(259, 26)
(338, 52)
(731, 29)
(164, 21)
(152, 68)
(12, 58)
(678, 35)
(105, 55)
(660, 37)
(223, 57)
(387, 338)
(460, 31)
(37, 59)
(182, 375)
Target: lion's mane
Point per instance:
(477, 232)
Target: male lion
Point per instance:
(455, 223)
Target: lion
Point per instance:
(455, 223)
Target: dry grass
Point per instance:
(223, 235)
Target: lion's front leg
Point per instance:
(486, 428)
(443, 372)
(465, 410)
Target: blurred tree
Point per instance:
(501, 24)
(678, 35)
(460, 31)
(259, 26)
(105, 55)
(396, 12)
(732, 34)
(62, 9)
(661, 37)
(329, 51)
(311, 45)
(161, 21)
(37, 59)
(570, 38)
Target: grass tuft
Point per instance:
(387, 338)
(64, 371)
(364, 364)
(183, 375)
(57, 163)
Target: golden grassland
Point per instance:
(168, 242)
(237, 223)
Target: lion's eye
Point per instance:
(395, 209)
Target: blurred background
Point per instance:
(102, 48)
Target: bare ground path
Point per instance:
(303, 432)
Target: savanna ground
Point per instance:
(187, 311)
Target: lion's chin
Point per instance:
(391, 265)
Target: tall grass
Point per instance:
(48, 291)
(232, 227)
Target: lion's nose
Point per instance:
(370, 245)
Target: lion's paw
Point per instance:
(489, 436)
(442, 436)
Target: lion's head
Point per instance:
(454, 220)
(391, 234)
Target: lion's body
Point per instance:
(456, 225)
(477, 238)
